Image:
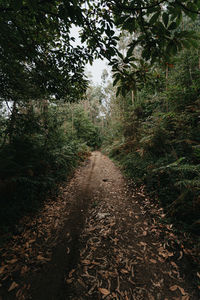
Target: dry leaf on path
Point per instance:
(173, 288)
(124, 271)
(150, 297)
(40, 257)
(181, 255)
(68, 281)
(13, 286)
(174, 264)
(103, 291)
(86, 262)
(71, 272)
(12, 261)
(186, 297)
(182, 290)
(2, 269)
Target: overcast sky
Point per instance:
(98, 65)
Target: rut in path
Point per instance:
(107, 246)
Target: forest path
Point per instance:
(100, 240)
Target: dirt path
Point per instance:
(98, 241)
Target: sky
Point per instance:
(98, 65)
(96, 70)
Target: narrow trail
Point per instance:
(98, 241)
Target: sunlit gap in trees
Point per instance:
(94, 71)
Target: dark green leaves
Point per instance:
(173, 26)
(154, 18)
(165, 18)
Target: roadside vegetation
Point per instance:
(43, 146)
(155, 135)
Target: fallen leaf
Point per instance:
(174, 264)
(69, 280)
(181, 255)
(153, 261)
(12, 261)
(95, 263)
(150, 297)
(71, 272)
(86, 262)
(161, 249)
(104, 291)
(13, 286)
(186, 297)
(81, 282)
(124, 271)
(161, 260)
(40, 257)
(169, 253)
(31, 241)
(114, 295)
(182, 290)
(143, 244)
(173, 288)
(24, 269)
(2, 269)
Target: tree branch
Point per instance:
(186, 8)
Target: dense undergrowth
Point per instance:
(40, 147)
(156, 139)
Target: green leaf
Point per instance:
(115, 81)
(171, 48)
(130, 50)
(179, 19)
(134, 65)
(118, 91)
(165, 18)
(120, 55)
(154, 18)
(129, 24)
(172, 26)
(123, 91)
(146, 54)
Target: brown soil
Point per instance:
(99, 240)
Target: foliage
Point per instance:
(41, 61)
(161, 138)
(40, 154)
(86, 131)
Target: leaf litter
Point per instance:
(125, 251)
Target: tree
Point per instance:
(40, 55)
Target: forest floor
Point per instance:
(99, 240)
